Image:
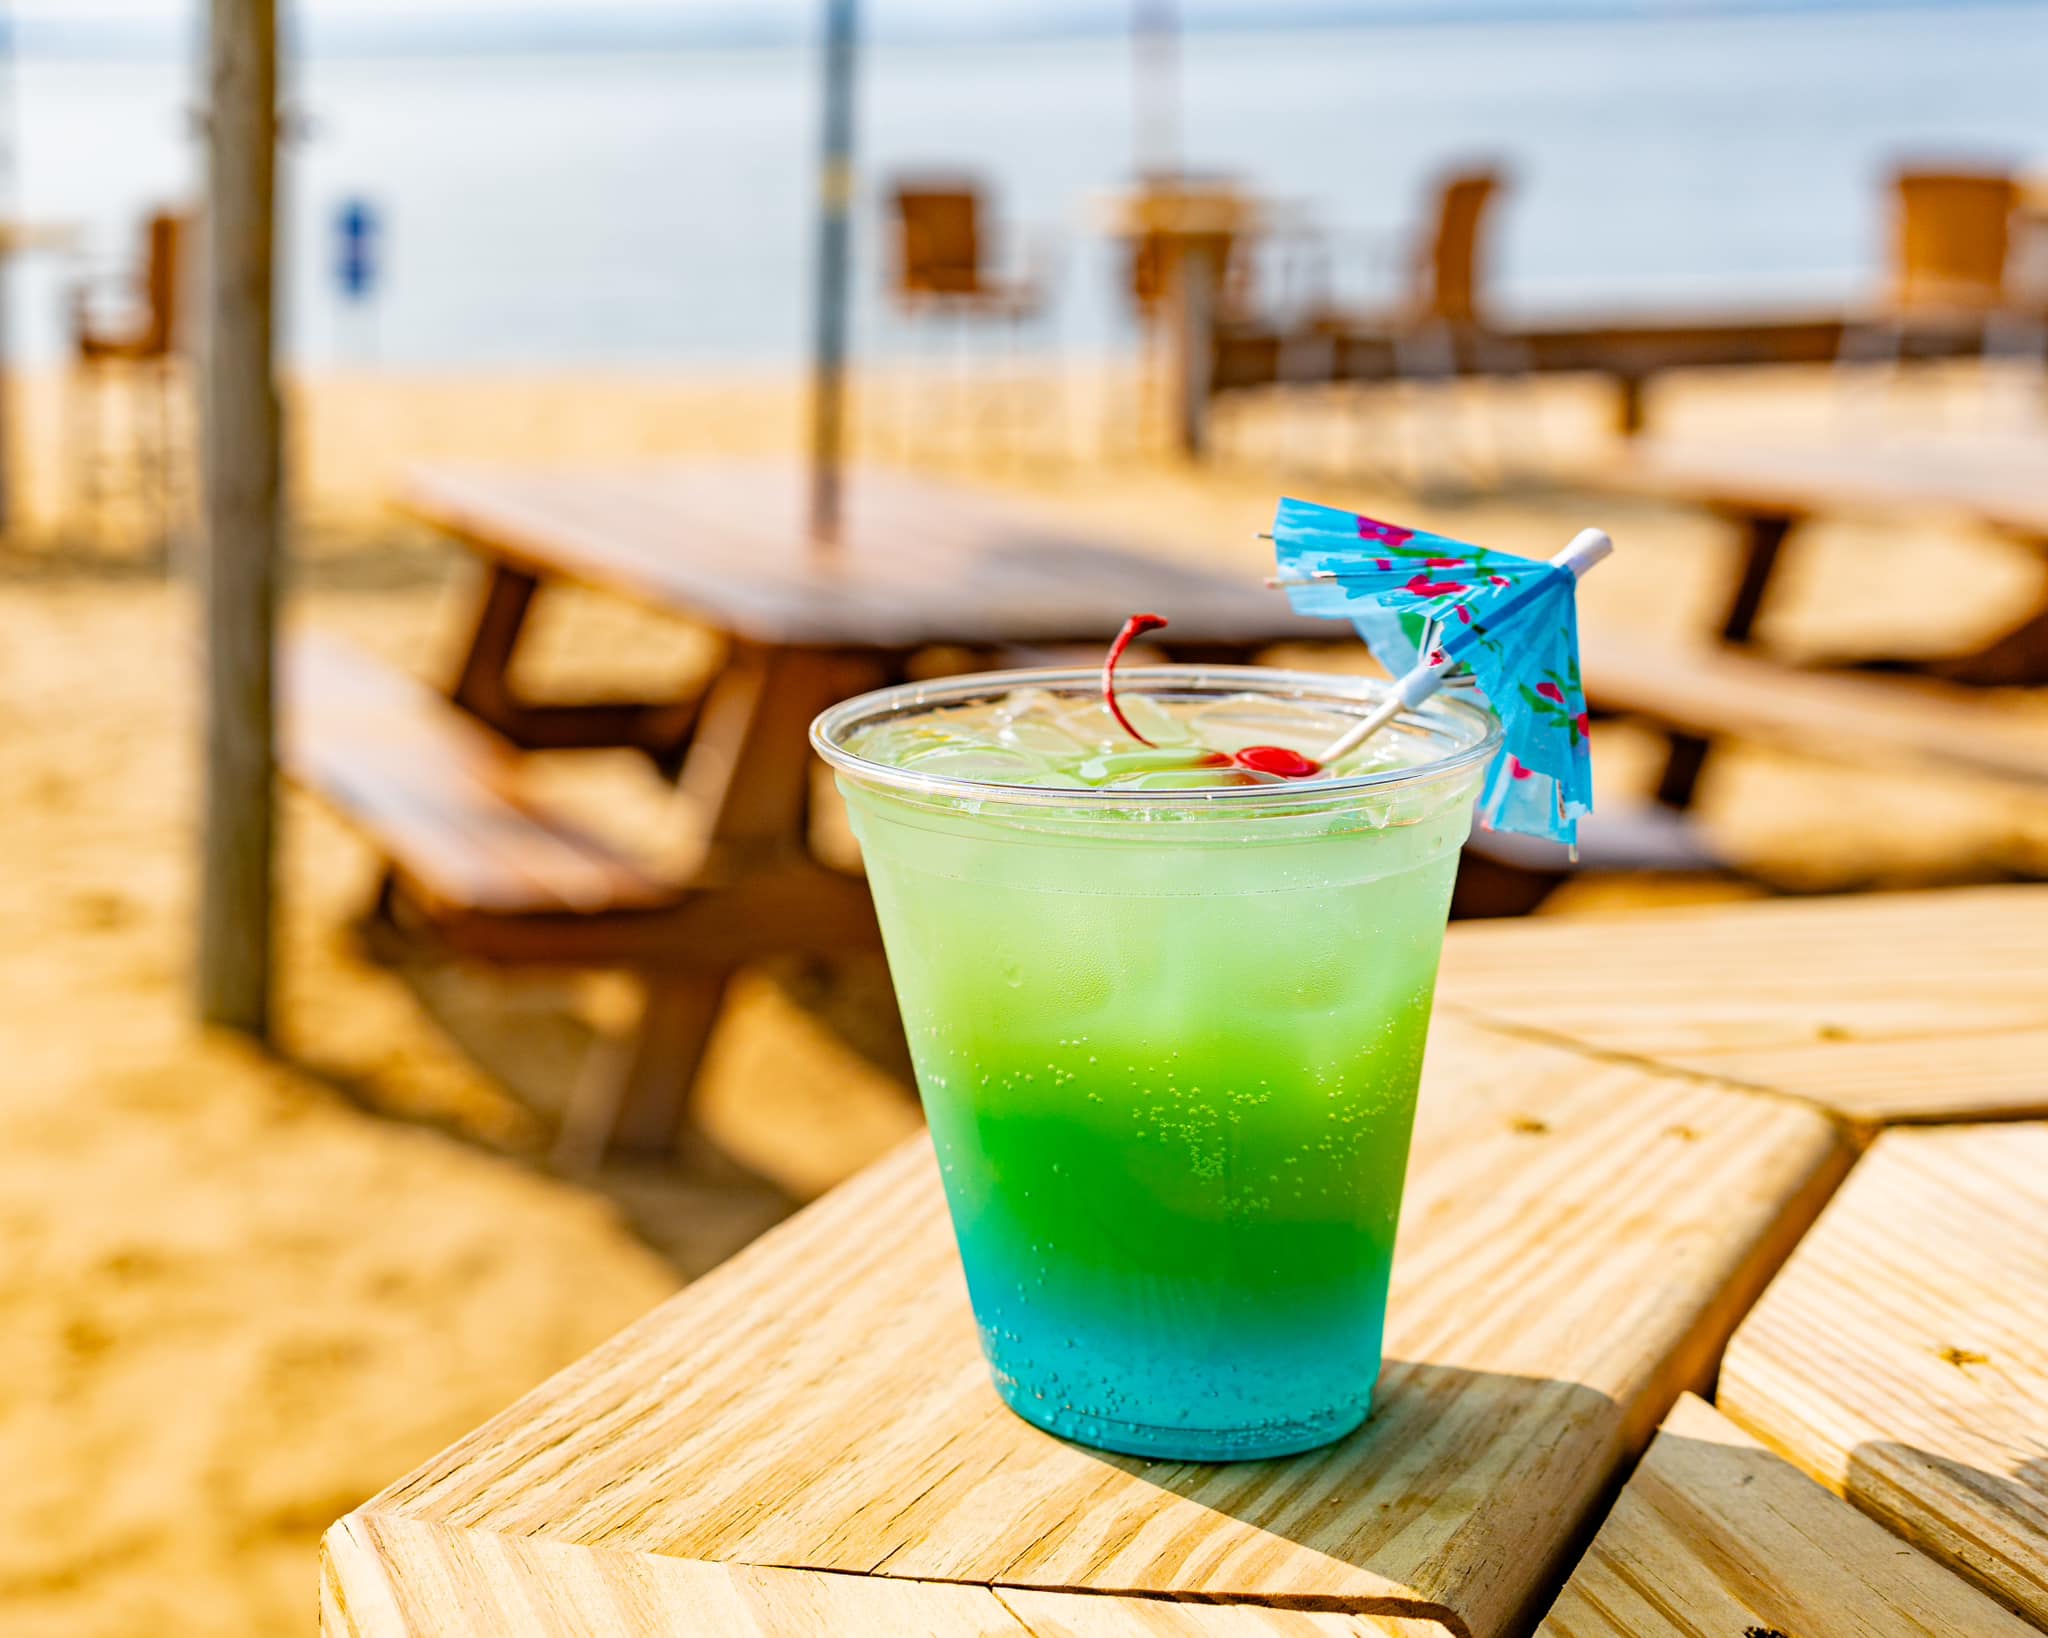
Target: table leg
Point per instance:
(1763, 544)
(748, 774)
(481, 686)
(1629, 413)
(634, 1095)
(749, 769)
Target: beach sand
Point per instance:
(243, 1291)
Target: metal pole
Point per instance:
(835, 198)
(10, 203)
(1155, 49)
(242, 521)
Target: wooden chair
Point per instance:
(942, 267)
(1951, 242)
(139, 342)
(942, 254)
(1449, 269)
(1438, 326)
(1951, 268)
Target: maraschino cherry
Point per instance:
(1265, 759)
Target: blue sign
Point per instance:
(357, 231)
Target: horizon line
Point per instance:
(564, 32)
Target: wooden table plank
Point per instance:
(1578, 1240)
(1884, 1007)
(1837, 716)
(396, 1578)
(1715, 1536)
(1901, 1357)
(1998, 481)
(920, 561)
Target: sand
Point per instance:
(242, 1292)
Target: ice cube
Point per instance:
(993, 764)
(1029, 720)
(1233, 725)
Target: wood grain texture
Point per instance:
(1715, 1536)
(1578, 1240)
(918, 561)
(242, 462)
(1886, 1007)
(1901, 1357)
(1838, 716)
(395, 1578)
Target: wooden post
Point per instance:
(242, 431)
(835, 200)
(1195, 271)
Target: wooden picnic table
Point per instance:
(1993, 482)
(492, 871)
(1937, 717)
(1628, 1126)
(1196, 227)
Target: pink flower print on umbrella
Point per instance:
(1387, 534)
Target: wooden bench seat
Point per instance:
(441, 795)
(1836, 715)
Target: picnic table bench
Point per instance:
(1637, 1157)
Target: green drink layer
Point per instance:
(1169, 1060)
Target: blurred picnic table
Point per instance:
(1967, 713)
(1632, 1165)
(1995, 482)
(488, 869)
(1185, 236)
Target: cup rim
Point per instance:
(1464, 717)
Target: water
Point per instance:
(1036, 738)
(652, 210)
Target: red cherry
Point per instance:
(1277, 759)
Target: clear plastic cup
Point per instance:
(1168, 1044)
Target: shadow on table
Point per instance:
(1477, 1490)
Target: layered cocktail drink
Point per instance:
(1167, 1012)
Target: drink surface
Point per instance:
(1035, 737)
(1170, 1069)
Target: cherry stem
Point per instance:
(1136, 626)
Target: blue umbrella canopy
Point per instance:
(1425, 603)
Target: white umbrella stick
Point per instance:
(1588, 547)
